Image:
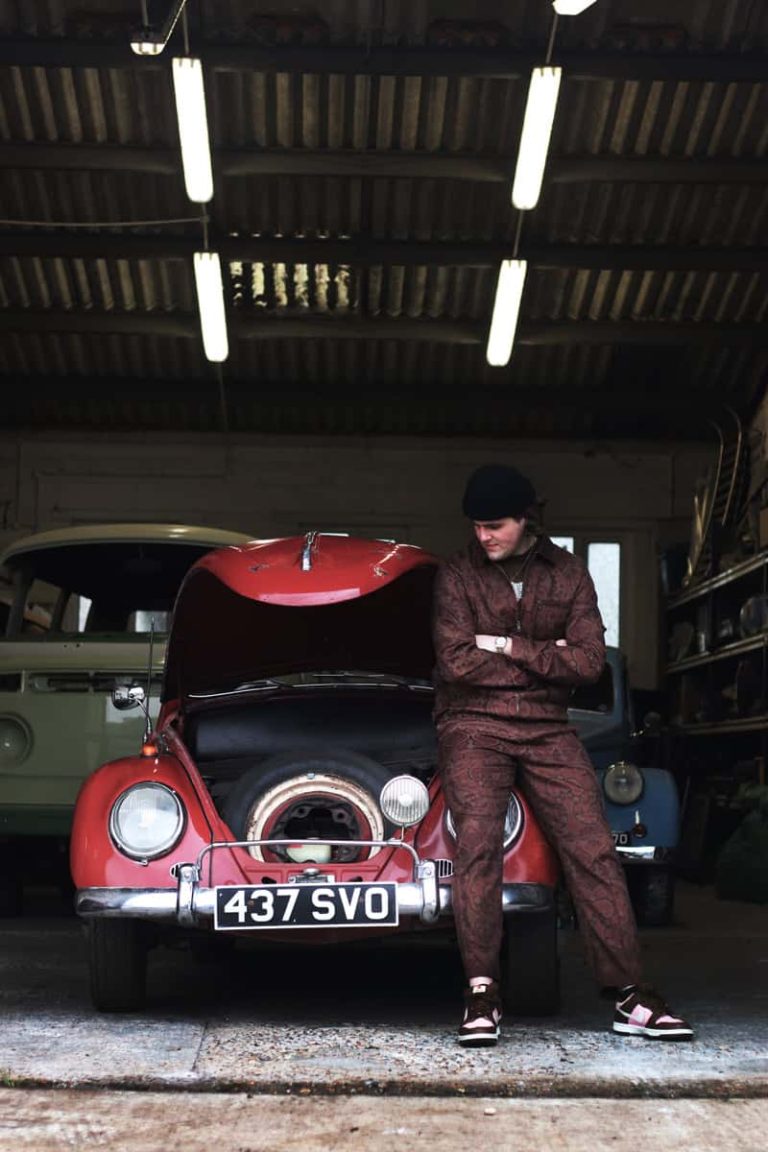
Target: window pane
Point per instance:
(563, 542)
(604, 563)
(83, 608)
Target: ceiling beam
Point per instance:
(352, 327)
(493, 63)
(348, 162)
(288, 250)
(608, 397)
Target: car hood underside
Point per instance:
(221, 639)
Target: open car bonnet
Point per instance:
(301, 604)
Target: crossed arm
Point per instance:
(465, 656)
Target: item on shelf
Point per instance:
(719, 505)
(726, 631)
(753, 617)
(680, 641)
(763, 528)
(749, 687)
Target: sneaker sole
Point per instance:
(485, 1040)
(654, 1033)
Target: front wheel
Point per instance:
(11, 896)
(117, 959)
(530, 969)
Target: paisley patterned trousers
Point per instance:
(479, 763)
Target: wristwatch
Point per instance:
(499, 643)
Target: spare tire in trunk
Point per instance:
(333, 794)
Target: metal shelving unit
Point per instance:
(717, 681)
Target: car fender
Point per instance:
(529, 860)
(95, 861)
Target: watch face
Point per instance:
(501, 642)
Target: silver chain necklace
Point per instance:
(517, 578)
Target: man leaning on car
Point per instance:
(516, 628)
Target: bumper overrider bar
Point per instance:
(190, 904)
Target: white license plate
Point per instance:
(305, 906)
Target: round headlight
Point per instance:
(15, 740)
(513, 821)
(146, 821)
(404, 800)
(623, 783)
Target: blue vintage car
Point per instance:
(641, 803)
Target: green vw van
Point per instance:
(83, 608)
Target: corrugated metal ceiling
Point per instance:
(645, 305)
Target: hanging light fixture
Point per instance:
(210, 302)
(149, 40)
(506, 309)
(534, 140)
(189, 92)
(571, 7)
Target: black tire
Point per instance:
(653, 896)
(11, 897)
(530, 969)
(256, 782)
(117, 959)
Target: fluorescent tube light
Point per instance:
(210, 301)
(534, 140)
(189, 92)
(506, 309)
(571, 7)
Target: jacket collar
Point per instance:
(545, 550)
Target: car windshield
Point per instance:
(98, 588)
(596, 697)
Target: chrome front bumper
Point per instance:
(191, 904)
(645, 854)
(163, 905)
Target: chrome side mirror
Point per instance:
(127, 696)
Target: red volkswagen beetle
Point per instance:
(289, 787)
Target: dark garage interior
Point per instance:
(355, 228)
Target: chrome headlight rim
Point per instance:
(513, 822)
(163, 847)
(391, 804)
(626, 767)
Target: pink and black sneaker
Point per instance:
(643, 1012)
(482, 1016)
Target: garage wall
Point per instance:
(409, 489)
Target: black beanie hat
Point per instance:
(496, 491)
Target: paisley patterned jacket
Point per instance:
(474, 596)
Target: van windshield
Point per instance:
(96, 589)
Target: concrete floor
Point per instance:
(356, 1048)
(78, 1121)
